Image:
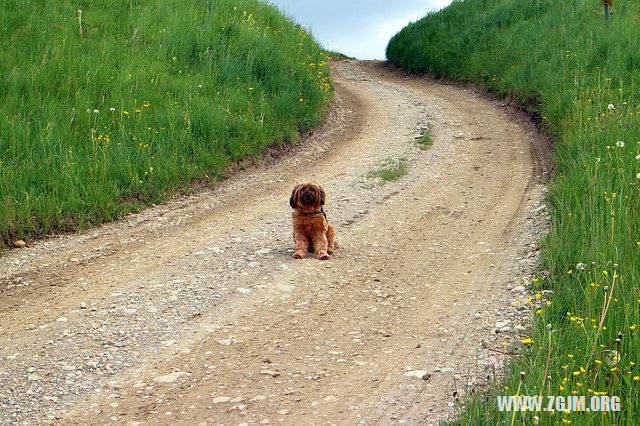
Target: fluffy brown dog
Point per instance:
(311, 229)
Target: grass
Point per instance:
(111, 105)
(391, 169)
(425, 141)
(581, 77)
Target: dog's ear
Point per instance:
(293, 201)
(322, 195)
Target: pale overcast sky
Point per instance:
(357, 28)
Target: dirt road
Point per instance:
(194, 312)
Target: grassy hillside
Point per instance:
(562, 62)
(108, 105)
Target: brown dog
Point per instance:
(311, 229)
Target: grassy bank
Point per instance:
(110, 105)
(581, 76)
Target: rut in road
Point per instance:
(194, 311)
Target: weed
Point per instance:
(391, 169)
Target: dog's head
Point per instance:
(308, 195)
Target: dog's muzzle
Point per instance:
(307, 199)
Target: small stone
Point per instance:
(258, 398)
(225, 342)
(33, 377)
(83, 305)
(67, 367)
(518, 289)
(243, 290)
(62, 319)
(253, 264)
(170, 378)
(239, 407)
(420, 374)
(330, 398)
(283, 412)
(270, 373)
(284, 267)
(221, 399)
(19, 244)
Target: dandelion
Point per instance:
(125, 112)
(112, 109)
(526, 341)
(636, 378)
(199, 86)
(95, 111)
(620, 144)
(638, 176)
(138, 110)
(580, 266)
(638, 157)
(610, 107)
(89, 111)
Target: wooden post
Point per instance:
(607, 4)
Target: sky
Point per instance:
(357, 28)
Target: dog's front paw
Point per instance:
(323, 256)
(299, 255)
(329, 251)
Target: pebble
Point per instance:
(518, 289)
(283, 412)
(170, 378)
(221, 399)
(420, 374)
(258, 398)
(270, 373)
(19, 244)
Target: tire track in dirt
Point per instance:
(213, 322)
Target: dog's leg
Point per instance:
(302, 245)
(331, 239)
(320, 245)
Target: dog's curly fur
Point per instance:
(311, 229)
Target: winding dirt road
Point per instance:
(194, 312)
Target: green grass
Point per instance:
(182, 90)
(565, 65)
(426, 140)
(391, 169)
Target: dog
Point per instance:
(311, 229)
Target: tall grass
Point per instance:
(108, 105)
(582, 77)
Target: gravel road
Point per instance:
(194, 312)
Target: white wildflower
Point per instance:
(580, 266)
(112, 109)
(620, 144)
(611, 106)
(88, 110)
(96, 111)
(638, 157)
